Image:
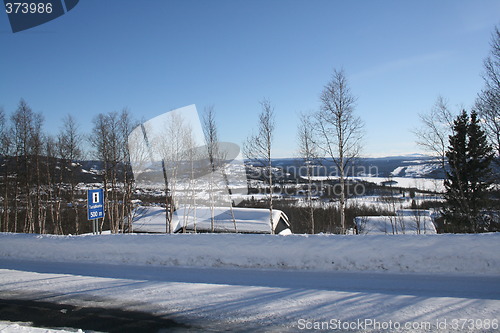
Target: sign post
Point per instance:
(95, 207)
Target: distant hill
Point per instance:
(415, 166)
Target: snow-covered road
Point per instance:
(215, 299)
(265, 282)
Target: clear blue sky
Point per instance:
(152, 56)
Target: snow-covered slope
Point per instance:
(455, 254)
(382, 225)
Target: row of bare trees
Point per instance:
(40, 172)
(21, 140)
(36, 171)
(333, 132)
(109, 139)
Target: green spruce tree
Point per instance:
(469, 176)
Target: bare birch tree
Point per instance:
(340, 130)
(26, 131)
(110, 141)
(212, 140)
(69, 143)
(5, 144)
(488, 101)
(436, 127)
(113, 164)
(54, 184)
(258, 148)
(172, 145)
(100, 141)
(126, 125)
(217, 164)
(308, 152)
(37, 148)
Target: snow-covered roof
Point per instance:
(400, 224)
(247, 220)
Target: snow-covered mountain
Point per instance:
(412, 166)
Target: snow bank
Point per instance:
(455, 254)
(402, 224)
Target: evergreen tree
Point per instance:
(469, 156)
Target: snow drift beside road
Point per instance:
(452, 254)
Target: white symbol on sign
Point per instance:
(95, 197)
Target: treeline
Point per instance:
(39, 192)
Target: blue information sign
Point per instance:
(95, 204)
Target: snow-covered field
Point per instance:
(424, 184)
(267, 283)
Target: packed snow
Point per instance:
(444, 253)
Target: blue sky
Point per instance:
(152, 56)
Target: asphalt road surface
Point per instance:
(51, 315)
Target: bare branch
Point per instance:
(258, 148)
(340, 130)
(436, 127)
